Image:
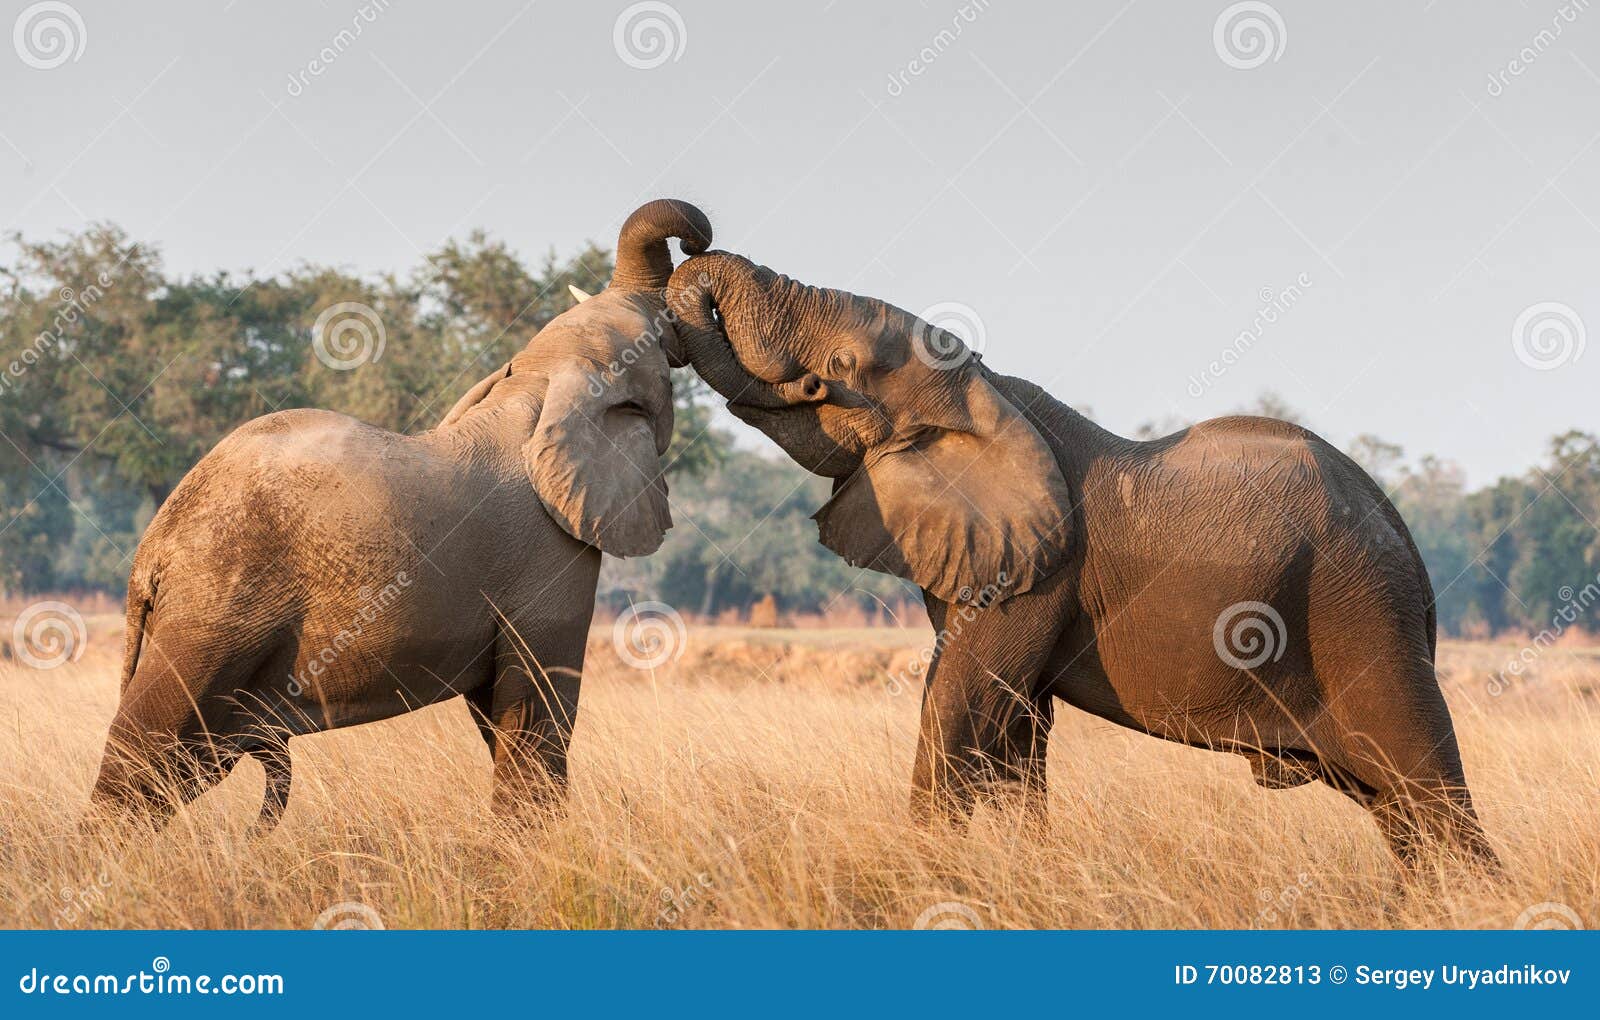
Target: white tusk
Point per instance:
(580, 295)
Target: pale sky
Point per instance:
(1097, 183)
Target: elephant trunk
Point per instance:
(754, 304)
(700, 289)
(766, 318)
(643, 262)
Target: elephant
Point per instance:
(314, 572)
(1241, 585)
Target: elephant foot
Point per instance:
(943, 808)
(530, 800)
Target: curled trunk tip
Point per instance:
(643, 261)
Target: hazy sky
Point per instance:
(1096, 183)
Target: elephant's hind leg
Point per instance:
(169, 741)
(1393, 750)
(147, 775)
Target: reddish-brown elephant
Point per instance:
(1241, 585)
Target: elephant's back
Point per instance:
(272, 473)
(284, 504)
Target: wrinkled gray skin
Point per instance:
(313, 572)
(1059, 561)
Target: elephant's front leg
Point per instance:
(1021, 760)
(982, 729)
(533, 709)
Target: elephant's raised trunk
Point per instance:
(748, 357)
(643, 262)
(758, 308)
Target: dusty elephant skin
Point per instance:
(1241, 585)
(313, 572)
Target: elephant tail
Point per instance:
(141, 596)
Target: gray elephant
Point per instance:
(314, 572)
(1240, 585)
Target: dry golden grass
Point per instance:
(761, 781)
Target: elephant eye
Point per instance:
(841, 364)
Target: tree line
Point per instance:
(116, 376)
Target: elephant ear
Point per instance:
(593, 462)
(971, 516)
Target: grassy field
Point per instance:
(760, 780)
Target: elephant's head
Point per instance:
(599, 372)
(938, 477)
